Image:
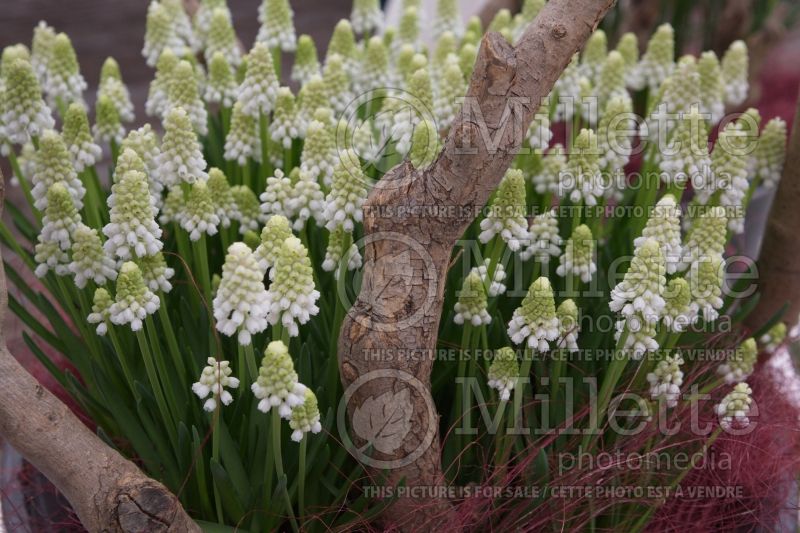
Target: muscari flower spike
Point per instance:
(241, 302)
(466, 59)
(306, 63)
(260, 86)
(594, 55)
(544, 241)
(24, 113)
(740, 363)
(112, 86)
(89, 260)
(275, 232)
(132, 231)
(567, 87)
(448, 18)
(497, 285)
(666, 380)
(375, 71)
(712, 90)
(366, 16)
(425, 145)
(101, 305)
(53, 165)
(729, 166)
(157, 92)
(705, 279)
(183, 93)
(628, 47)
(248, 210)
(408, 28)
(641, 290)
(159, 34)
(568, 325)
(202, 19)
(284, 126)
(735, 406)
(182, 24)
(664, 226)
(546, 181)
(337, 83)
(307, 199)
(221, 87)
(277, 25)
(107, 125)
(305, 417)
(221, 194)
(658, 60)
(76, 135)
(134, 299)
(313, 95)
(335, 252)
(613, 139)
(199, 215)
(578, 257)
(181, 158)
(277, 385)
(144, 142)
(291, 296)
(214, 379)
(581, 177)
(451, 87)
(735, 67)
(221, 38)
(471, 307)
(706, 237)
(54, 240)
(446, 47)
(774, 337)
(277, 196)
(173, 206)
(679, 309)
(349, 189)
(503, 372)
(770, 153)
(535, 322)
(64, 81)
(155, 272)
(243, 140)
(687, 159)
(507, 215)
(42, 49)
(539, 133)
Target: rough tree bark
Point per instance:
(412, 220)
(779, 260)
(108, 492)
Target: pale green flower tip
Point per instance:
(102, 299)
(424, 145)
(408, 28)
(583, 242)
(306, 51)
(64, 56)
(678, 294)
(110, 70)
(20, 74)
(107, 119)
(596, 48)
(542, 288)
(735, 406)
(471, 307)
(501, 21)
(59, 202)
(305, 417)
(628, 47)
(586, 141)
(276, 355)
(446, 44)
(76, 125)
(475, 25)
(276, 230)
(567, 313)
(130, 275)
(343, 41)
(774, 337)
(419, 85)
(251, 239)
(503, 372)
(217, 179)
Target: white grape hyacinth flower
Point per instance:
(241, 303)
(214, 379)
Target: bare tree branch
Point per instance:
(108, 492)
(779, 261)
(394, 322)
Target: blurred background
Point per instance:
(102, 28)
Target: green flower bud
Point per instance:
(641, 290)
(504, 372)
(134, 300)
(735, 406)
(349, 190)
(221, 87)
(199, 215)
(248, 210)
(568, 325)
(159, 34)
(337, 83)
(155, 272)
(182, 92)
(107, 125)
(582, 177)
(448, 18)
(64, 81)
(275, 232)
(221, 38)
(666, 380)
(277, 385)
(241, 300)
(335, 252)
(284, 127)
(425, 145)
(705, 279)
(535, 322)
(243, 140)
(76, 135)
(770, 153)
(774, 337)
(319, 157)
(658, 60)
(305, 417)
(366, 16)
(291, 295)
(53, 165)
(740, 364)
(628, 47)
(60, 218)
(446, 104)
(132, 231)
(306, 64)
(277, 25)
(44, 37)
(260, 86)
(157, 95)
(578, 257)
(408, 28)
(735, 70)
(100, 310)
(471, 307)
(508, 211)
(24, 113)
(594, 55)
